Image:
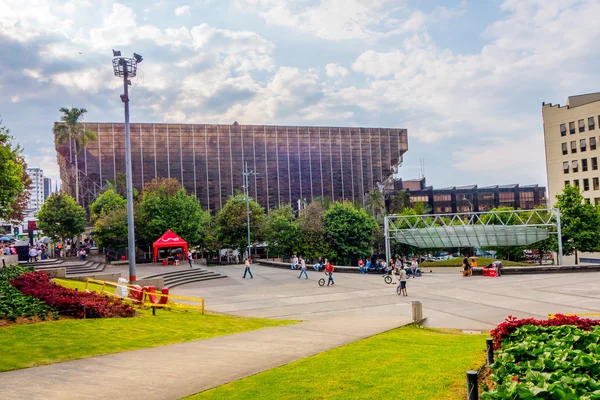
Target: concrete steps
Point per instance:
(42, 263)
(74, 268)
(185, 276)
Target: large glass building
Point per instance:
(291, 162)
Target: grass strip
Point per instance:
(406, 363)
(28, 345)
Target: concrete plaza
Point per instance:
(449, 300)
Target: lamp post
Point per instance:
(471, 211)
(246, 174)
(127, 68)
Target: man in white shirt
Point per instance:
(32, 254)
(294, 262)
(190, 257)
(302, 268)
(402, 279)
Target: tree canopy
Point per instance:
(312, 237)
(231, 223)
(106, 203)
(13, 179)
(580, 222)
(281, 233)
(165, 205)
(61, 217)
(351, 232)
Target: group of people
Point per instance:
(299, 262)
(39, 250)
(468, 266)
(8, 249)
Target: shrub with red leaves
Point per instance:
(68, 301)
(511, 323)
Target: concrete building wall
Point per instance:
(572, 136)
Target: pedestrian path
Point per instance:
(183, 369)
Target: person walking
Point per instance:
(303, 268)
(402, 279)
(190, 257)
(361, 266)
(247, 268)
(329, 268)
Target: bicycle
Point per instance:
(322, 280)
(387, 277)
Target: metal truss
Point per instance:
(476, 229)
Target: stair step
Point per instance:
(177, 272)
(200, 279)
(170, 282)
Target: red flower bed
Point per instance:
(68, 301)
(511, 323)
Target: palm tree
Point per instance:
(375, 204)
(71, 129)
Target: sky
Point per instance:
(466, 78)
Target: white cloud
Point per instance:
(346, 19)
(336, 71)
(182, 10)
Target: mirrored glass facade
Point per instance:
(291, 162)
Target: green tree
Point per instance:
(110, 229)
(106, 203)
(375, 205)
(351, 232)
(71, 129)
(13, 177)
(580, 222)
(61, 217)
(312, 238)
(165, 205)
(399, 201)
(281, 233)
(232, 226)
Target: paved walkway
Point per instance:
(179, 370)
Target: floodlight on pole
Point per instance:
(127, 68)
(246, 174)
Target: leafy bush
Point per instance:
(13, 303)
(554, 359)
(506, 328)
(68, 301)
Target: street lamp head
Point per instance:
(124, 98)
(116, 53)
(138, 58)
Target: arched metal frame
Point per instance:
(474, 229)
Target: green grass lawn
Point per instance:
(406, 363)
(54, 341)
(481, 262)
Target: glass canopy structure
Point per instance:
(479, 229)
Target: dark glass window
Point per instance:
(593, 143)
(565, 149)
(596, 183)
(591, 124)
(576, 182)
(594, 163)
(575, 165)
(573, 146)
(567, 183)
(563, 130)
(584, 165)
(581, 124)
(566, 167)
(582, 144)
(586, 184)
(572, 127)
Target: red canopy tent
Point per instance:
(170, 239)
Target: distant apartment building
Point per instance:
(47, 188)
(464, 199)
(571, 135)
(36, 192)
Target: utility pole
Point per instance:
(126, 68)
(246, 174)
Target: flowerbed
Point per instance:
(13, 303)
(70, 302)
(546, 359)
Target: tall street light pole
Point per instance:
(127, 68)
(246, 174)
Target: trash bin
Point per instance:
(417, 311)
(122, 290)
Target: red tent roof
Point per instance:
(170, 238)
